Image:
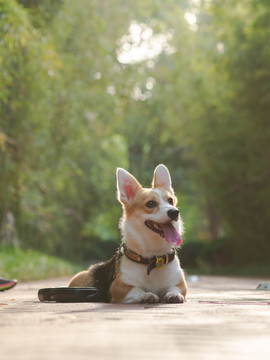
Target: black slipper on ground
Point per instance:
(7, 284)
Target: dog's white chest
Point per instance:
(158, 281)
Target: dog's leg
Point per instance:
(119, 289)
(139, 296)
(176, 294)
(123, 293)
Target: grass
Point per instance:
(25, 265)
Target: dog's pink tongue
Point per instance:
(171, 234)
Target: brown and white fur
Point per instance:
(124, 281)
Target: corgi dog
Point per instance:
(145, 268)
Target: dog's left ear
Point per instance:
(127, 186)
(162, 178)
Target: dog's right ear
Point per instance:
(127, 186)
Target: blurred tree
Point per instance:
(230, 127)
(26, 61)
(248, 66)
(80, 144)
(89, 86)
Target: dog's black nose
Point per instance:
(173, 214)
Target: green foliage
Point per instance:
(25, 265)
(73, 109)
(25, 61)
(232, 141)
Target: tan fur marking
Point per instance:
(166, 194)
(138, 203)
(119, 289)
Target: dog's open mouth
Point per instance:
(166, 230)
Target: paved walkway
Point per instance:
(224, 318)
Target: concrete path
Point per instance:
(224, 318)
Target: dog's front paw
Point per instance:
(148, 298)
(172, 298)
(139, 296)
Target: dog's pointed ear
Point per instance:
(127, 186)
(162, 178)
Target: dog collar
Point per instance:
(155, 262)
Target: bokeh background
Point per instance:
(86, 86)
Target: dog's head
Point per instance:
(150, 212)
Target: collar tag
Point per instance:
(159, 263)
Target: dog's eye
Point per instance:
(170, 201)
(151, 204)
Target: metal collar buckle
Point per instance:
(160, 263)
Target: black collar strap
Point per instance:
(155, 262)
